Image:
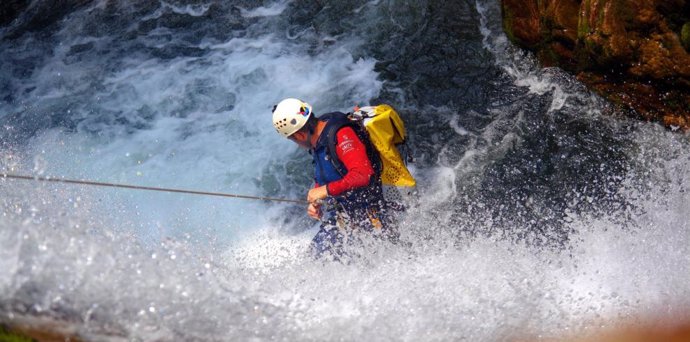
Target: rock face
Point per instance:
(10, 9)
(19, 16)
(633, 52)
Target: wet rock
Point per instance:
(38, 15)
(635, 53)
(10, 9)
(685, 36)
(20, 327)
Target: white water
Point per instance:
(173, 267)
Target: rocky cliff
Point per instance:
(633, 52)
(10, 9)
(18, 16)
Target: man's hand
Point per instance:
(314, 211)
(317, 194)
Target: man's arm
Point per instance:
(353, 154)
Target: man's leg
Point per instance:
(328, 241)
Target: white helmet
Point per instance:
(290, 115)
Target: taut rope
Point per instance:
(149, 188)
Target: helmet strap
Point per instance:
(310, 131)
(311, 127)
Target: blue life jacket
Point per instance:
(328, 168)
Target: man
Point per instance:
(346, 173)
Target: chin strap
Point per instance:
(310, 132)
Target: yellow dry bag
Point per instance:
(386, 131)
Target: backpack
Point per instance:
(387, 133)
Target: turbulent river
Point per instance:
(540, 211)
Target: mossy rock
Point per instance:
(7, 335)
(685, 36)
(508, 22)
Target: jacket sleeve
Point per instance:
(353, 154)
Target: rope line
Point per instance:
(149, 188)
